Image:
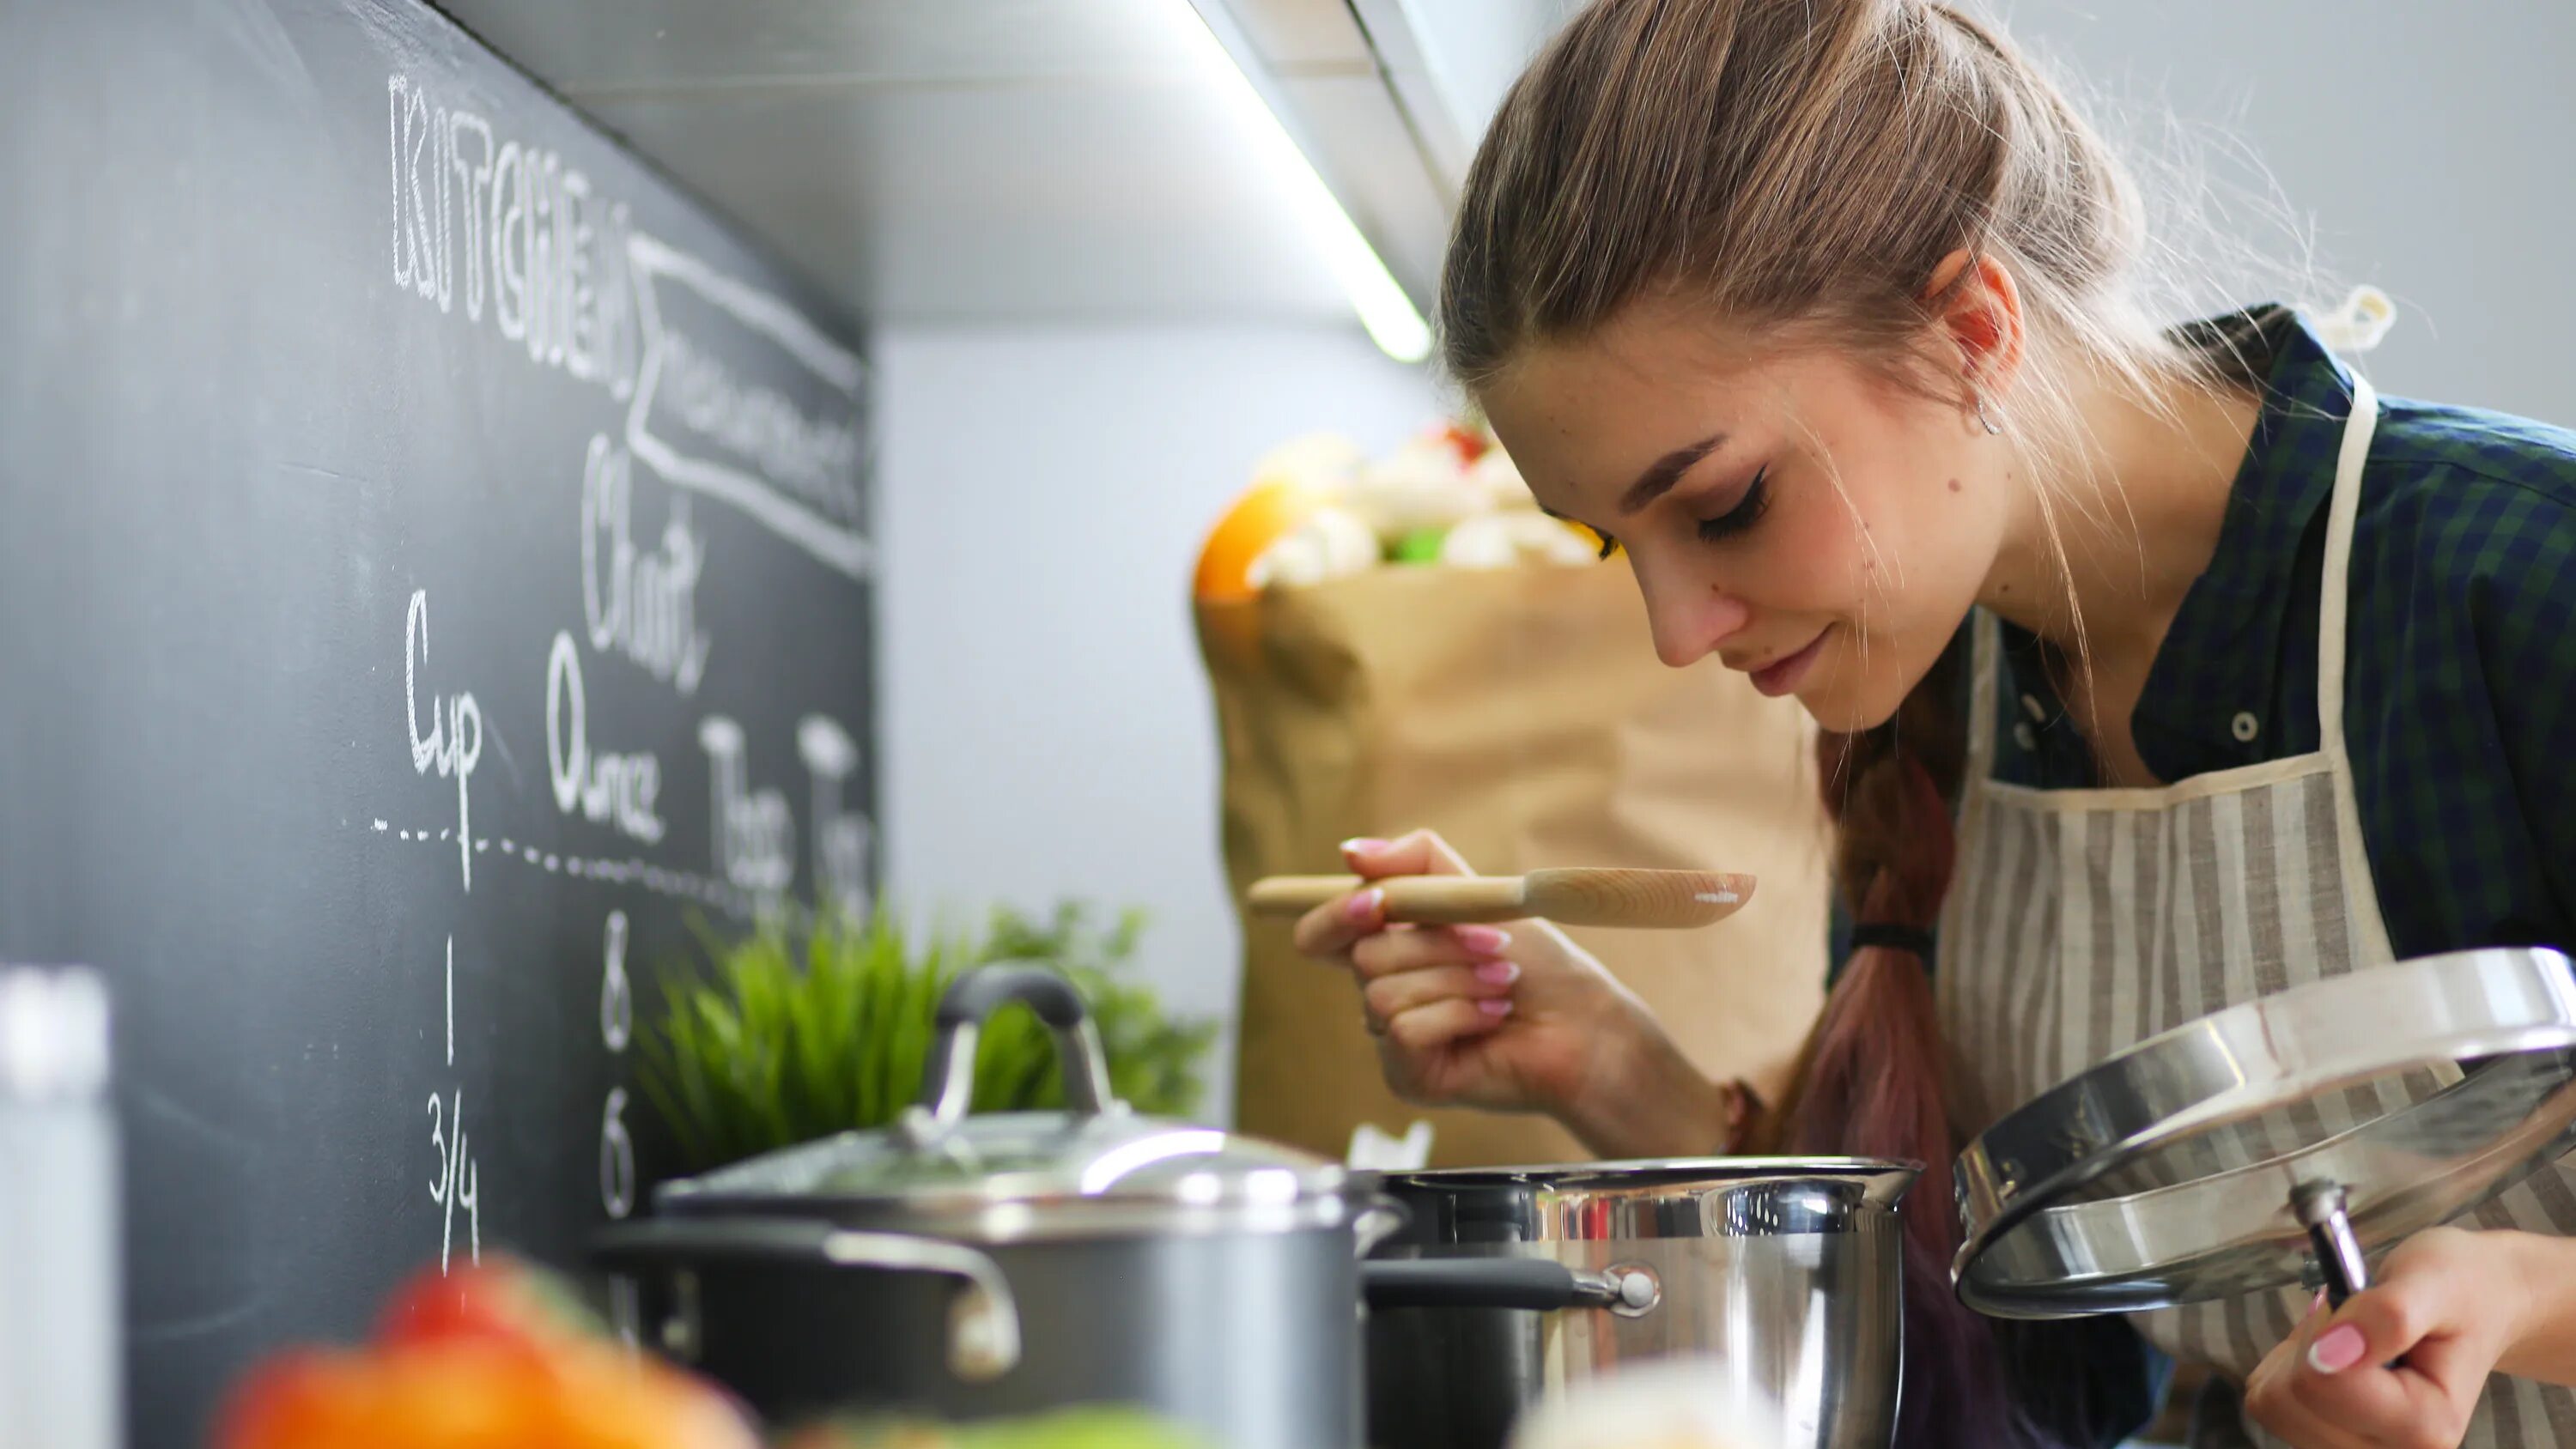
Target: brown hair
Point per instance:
(1800, 169)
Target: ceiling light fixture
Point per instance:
(1388, 314)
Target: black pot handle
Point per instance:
(2323, 1208)
(948, 1082)
(979, 993)
(983, 1321)
(1539, 1284)
(1379, 1218)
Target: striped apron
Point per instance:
(2084, 921)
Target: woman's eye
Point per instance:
(1747, 511)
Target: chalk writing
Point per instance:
(616, 996)
(791, 463)
(422, 259)
(480, 217)
(458, 1186)
(840, 835)
(453, 744)
(521, 228)
(616, 1028)
(641, 605)
(603, 785)
(616, 1158)
(815, 459)
(469, 155)
(755, 836)
(630, 871)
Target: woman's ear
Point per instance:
(1977, 308)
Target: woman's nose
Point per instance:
(1690, 618)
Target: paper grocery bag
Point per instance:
(1523, 715)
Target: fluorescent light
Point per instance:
(1388, 314)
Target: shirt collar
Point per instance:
(2220, 667)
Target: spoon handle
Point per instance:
(1429, 900)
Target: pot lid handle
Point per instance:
(948, 1083)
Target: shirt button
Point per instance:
(2030, 706)
(2024, 736)
(2245, 726)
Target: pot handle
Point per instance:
(1380, 1217)
(1539, 1284)
(948, 1083)
(983, 1321)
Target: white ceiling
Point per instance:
(999, 159)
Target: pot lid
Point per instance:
(1098, 1168)
(2276, 1141)
(1035, 1158)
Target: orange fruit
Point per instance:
(1260, 517)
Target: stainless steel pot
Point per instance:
(1787, 1269)
(978, 1266)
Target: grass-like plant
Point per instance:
(781, 1039)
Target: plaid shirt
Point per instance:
(2460, 695)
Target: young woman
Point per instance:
(2159, 667)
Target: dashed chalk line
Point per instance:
(630, 870)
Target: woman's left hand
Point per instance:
(2402, 1363)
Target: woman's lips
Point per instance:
(1783, 675)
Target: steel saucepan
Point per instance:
(1785, 1270)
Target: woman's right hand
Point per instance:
(1509, 1018)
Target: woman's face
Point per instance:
(1792, 512)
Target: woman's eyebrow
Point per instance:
(1666, 471)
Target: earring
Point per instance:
(1991, 427)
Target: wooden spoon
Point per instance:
(1573, 896)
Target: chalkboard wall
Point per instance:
(432, 567)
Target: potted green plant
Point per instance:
(782, 1038)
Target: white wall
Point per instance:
(2431, 145)
(1042, 493)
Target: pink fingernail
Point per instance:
(1484, 940)
(1497, 1007)
(2335, 1350)
(1498, 973)
(1362, 845)
(1365, 904)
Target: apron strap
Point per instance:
(2332, 650)
(1986, 650)
(2336, 587)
